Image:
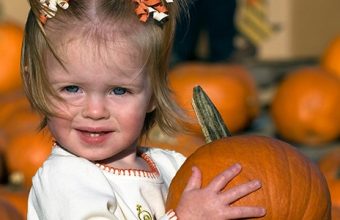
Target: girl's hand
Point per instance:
(211, 203)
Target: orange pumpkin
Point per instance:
(185, 144)
(16, 117)
(26, 153)
(10, 49)
(330, 58)
(231, 88)
(292, 186)
(8, 211)
(305, 107)
(330, 166)
(11, 101)
(17, 197)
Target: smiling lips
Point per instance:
(94, 136)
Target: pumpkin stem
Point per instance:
(1, 12)
(209, 118)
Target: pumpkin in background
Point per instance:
(11, 36)
(330, 58)
(231, 88)
(26, 153)
(17, 197)
(292, 186)
(9, 104)
(185, 144)
(305, 107)
(8, 211)
(16, 117)
(330, 167)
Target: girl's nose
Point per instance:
(95, 108)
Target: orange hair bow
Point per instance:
(145, 8)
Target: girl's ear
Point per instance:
(151, 106)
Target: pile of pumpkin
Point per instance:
(22, 149)
(304, 110)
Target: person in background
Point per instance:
(217, 19)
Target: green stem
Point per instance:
(209, 118)
(1, 11)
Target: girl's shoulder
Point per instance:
(159, 154)
(62, 166)
(61, 188)
(167, 161)
(62, 159)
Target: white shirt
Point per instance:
(68, 187)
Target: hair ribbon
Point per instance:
(155, 8)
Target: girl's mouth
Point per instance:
(94, 137)
(94, 134)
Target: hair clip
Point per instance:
(155, 8)
(49, 8)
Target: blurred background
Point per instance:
(271, 68)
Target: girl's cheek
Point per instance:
(64, 109)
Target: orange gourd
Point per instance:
(330, 166)
(305, 107)
(16, 117)
(292, 186)
(26, 153)
(330, 58)
(11, 36)
(231, 88)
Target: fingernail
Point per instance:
(263, 211)
(194, 168)
(256, 183)
(236, 166)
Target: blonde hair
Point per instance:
(155, 41)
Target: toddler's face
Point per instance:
(107, 95)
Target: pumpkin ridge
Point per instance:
(291, 196)
(310, 186)
(284, 154)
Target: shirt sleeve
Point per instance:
(70, 188)
(170, 215)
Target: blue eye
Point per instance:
(72, 89)
(119, 91)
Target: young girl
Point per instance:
(97, 71)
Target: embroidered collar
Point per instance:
(153, 173)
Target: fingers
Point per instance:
(195, 180)
(245, 212)
(220, 181)
(240, 191)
